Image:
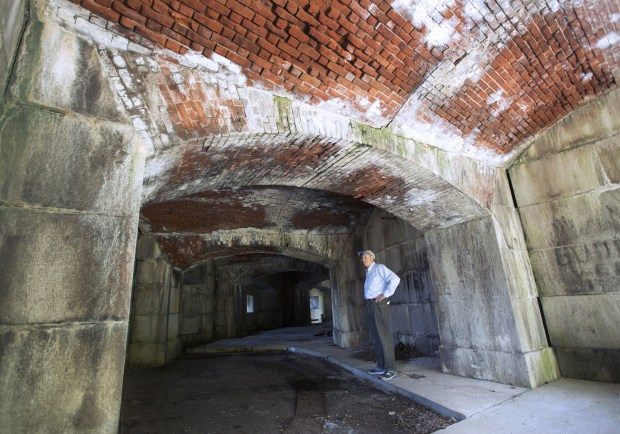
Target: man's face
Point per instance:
(367, 260)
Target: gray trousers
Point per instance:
(381, 332)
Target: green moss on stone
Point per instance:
(382, 138)
(550, 366)
(29, 60)
(285, 108)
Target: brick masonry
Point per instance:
(475, 79)
(490, 74)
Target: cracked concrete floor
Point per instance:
(266, 392)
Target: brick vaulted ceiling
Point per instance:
(481, 78)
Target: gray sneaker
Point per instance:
(376, 371)
(388, 375)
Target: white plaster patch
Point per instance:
(218, 68)
(437, 132)
(587, 77)
(472, 10)
(426, 14)
(609, 40)
(416, 197)
(119, 61)
(64, 67)
(374, 109)
(499, 102)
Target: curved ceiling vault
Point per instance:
(257, 112)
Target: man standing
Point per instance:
(380, 284)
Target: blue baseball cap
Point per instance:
(368, 252)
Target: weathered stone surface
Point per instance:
(508, 227)
(597, 120)
(519, 276)
(147, 354)
(486, 309)
(148, 329)
(567, 187)
(528, 370)
(585, 321)
(73, 79)
(63, 161)
(484, 322)
(153, 272)
(12, 18)
(190, 325)
(196, 275)
(595, 364)
(578, 220)
(578, 269)
(74, 382)
(149, 300)
(464, 260)
(59, 267)
(567, 173)
(147, 248)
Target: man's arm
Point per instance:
(391, 282)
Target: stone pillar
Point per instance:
(487, 309)
(154, 334)
(69, 198)
(224, 304)
(567, 187)
(197, 305)
(350, 317)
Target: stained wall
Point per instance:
(566, 189)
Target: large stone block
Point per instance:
(73, 79)
(465, 260)
(149, 300)
(594, 364)
(175, 299)
(64, 267)
(147, 248)
(595, 121)
(417, 287)
(153, 272)
(400, 318)
(174, 349)
(62, 379)
(348, 339)
(520, 369)
(423, 319)
(587, 321)
(190, 324)
(508, 227)
(173, 326)
(578, 269)
(196, 275)
(519, 275)
(147, 354)
(477, 322)
(12, 19)
(194, 302)
(58, 160)
(148, 328)
(529, 323)
(583, 219)
(567, 173)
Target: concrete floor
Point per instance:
(563, 406)
(263, 392)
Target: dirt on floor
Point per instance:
(274, 392)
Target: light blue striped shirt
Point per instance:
(380, 280)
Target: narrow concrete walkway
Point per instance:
(563, 406)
